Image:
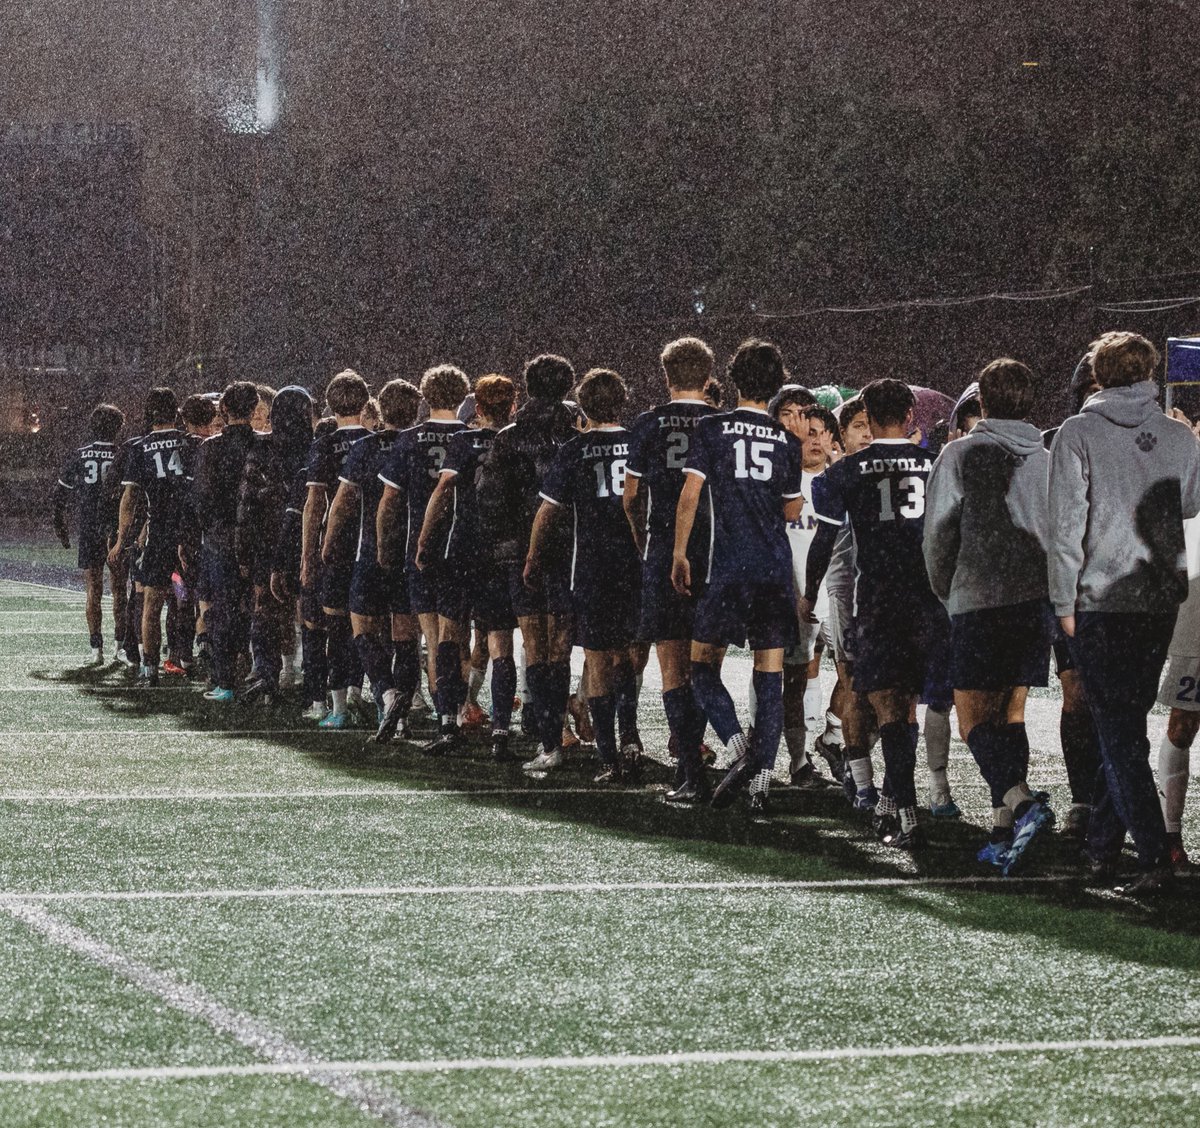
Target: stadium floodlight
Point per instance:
(1183, 363)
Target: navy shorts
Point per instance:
(1001, 647)
(666, 615)
(895, 646)
(335, 584)
(606, 619)
(93, 548)
(439, 591)
(377, 591)
(158, 561)
(764, 615)
(551, 596)
(493, 604)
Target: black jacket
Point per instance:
(218, 479)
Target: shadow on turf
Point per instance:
(811, 835)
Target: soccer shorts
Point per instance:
(1001, 647)
(893, 647)
(93, 548)
(1181, 684)
(762, 615)
(493, 604)
(666, 616)
(812, 636)
(376, 591)
(158, 561)
(551, 596)
(439, 591)
(606, 619)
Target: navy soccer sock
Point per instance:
(340, 648)
(714, 701)
(1081, 753)
(768, 719)
(604, 721)
(377, 663)
(627, 703)
(133, 626)
(994, 754)
(406, 669)
(1019, 739)
(316, 664)
(534, 710)
(264, 646)
(558, 689)
(451, 691)
(504, 686)
(900, 762)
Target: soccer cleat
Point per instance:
(473, 717)
(173, 669)
(446, 744)
(611, 773)
(1036, 818)
(148, 676)
(393, 718)
(885, 825)
(833, 755)
(994, 853)
(501, 753)
(1177, 857)
(631, 761)
(1075, 825)
(1149, 883)
(335, 721)
(546, 760)
(807, 778)
(690, 791)
(258, 690)
(947, 810)
(759, 807)
(866, 799)
(898, 839)
(317, 711)
(359, 713)
(222, 696)
(735, 779)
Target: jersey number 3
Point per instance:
(759, 463)
(913, 490)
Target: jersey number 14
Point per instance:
(913, 490)
(174, 464)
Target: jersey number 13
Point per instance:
(913, 493)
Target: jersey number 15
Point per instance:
(758, 465)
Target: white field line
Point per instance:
(242, 1028)
(288, 893)
(606, 1061)
(186, 795)
(150, 733)
(90, 690)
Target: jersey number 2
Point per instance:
(914, 498)
(759, 463)
(610, 480)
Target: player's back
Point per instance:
(881, 489)
(363, 463)
(751, 466)
(161, 464)
(328, 453)
(660, 441)
(468, 450)
(413, 466)
(86, 475)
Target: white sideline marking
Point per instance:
(284, 893)
(284, 1056)
(601, 1061)
(148, 733)
(314, 793)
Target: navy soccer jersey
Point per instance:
(659, 444)
(85, 474)
(414, 466)
(752, 467)
(161, 464)
(361, 468)
(881, 490)
(588, 477)
(464, 456)
(328, 453)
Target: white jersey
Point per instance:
(1186, 641)
(800, 536)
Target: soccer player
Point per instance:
(659, 443)
(325, 592)
(261, 419)
(1123, 478)
(386, 633)
(508, 500)
(409, 475)
(986, 531)
(751, 467)
(587, 483)
(158, 472)
(82, 480)
(464, 559)
(224, 591)
(273, 475)
(898, 619)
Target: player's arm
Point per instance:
(685, 518)
(829, 506)
(310, 531)
(792, 508)
(634, 503)
(126, 517)
(340, 515)
(61, 496)
(387, 526)
(436, 513)
(942, 537)
(1068, 525)
(544, 520)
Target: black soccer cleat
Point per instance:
(885, 825)
(760, 807)
(393, 719)
(445, 745)
(611, 773)
(735, 779)
(899, 839)
(501, 753)
(689, 792)
(832, 755)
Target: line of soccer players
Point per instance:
(946, 577)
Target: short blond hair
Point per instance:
(688, 364)
(1122, 359)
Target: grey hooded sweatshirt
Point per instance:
(987, 518)
(1123, 477)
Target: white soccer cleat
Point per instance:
(317, 711)
(544, 761)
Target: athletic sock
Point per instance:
(680, 707)
(793, 740)
(908, 819)
(714, 700)
(534, 711)
(761, 783)
(1173, 783)
(339, 701)
(833, 729)
(604, 721)
(628, 691)
(1081, 754)
(1017, 737)
(768, 727)
(504, 685)
(406, 668)
(862, 771)
(937, 753)
(812, 704)
(475, 684)
(451, 690)
(900, 762)
(316, 664)
(986, 742)
(339, 647)
(558, 689)
(377, 663)
(886, 805)
(96, 640)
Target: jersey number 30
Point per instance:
(913, 490)
(758, 465)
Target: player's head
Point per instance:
(106, 422)
(787, 408)
(326, 425)
(601, 395)
(347, 394)
(399, 404)
(370, 416)
(687, 364)
(261, 419)
(854, 425)
(548, 377)
(161, 407)
(238, 401)
(756, 370)
(444, 387)
(495, 396)
(714, 394)
(198, 413)
(821, 427)
(967, 411)
(1120, 360)
(1083, 383)
(1006, 389)
(889, 403)
(291, 419)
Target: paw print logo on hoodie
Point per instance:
(1146, 441)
